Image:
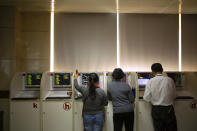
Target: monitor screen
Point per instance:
(143, 78)
(110, 78)
(33, 79)
(85, 78)
(177, 77)
(62, 79)
(143, 82)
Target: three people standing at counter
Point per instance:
(160, 91)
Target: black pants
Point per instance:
(120, 118)
(164, 118)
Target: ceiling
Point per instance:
(125, 6)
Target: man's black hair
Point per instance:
(118, 74)
(157, 67)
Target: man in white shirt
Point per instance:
(161, 92)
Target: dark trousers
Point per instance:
(120, 118)
(164, 118)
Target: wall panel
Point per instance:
(189, 42)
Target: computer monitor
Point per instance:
(143, 82)
(62, 80)
(85, 77)
(143, 78)
(33, 80)
(177, 77)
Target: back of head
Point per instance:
(93, 79)
(118, 74)
(157, 67)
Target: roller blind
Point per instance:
(148, 38)
(85, 41)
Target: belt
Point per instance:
(162, 106)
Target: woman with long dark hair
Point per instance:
(94, 100)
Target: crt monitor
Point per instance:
(85, 78)
(109, 77)
(33, 80)
(62, 80)
(143, 78)
(177, 77)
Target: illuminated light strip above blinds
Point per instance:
(117, 27)
(180, 37)
(52, 38)
(118, 44)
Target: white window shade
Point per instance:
(146, 39)
(86, 42)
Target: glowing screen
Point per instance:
(177, 77)
(33, 80)
(85, 78)
(62, 79)
(143, 78)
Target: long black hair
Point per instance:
(93, 79)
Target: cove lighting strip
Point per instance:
(117, 35)
(118, 43)
(52, 38)
(180, 37)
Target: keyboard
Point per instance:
(27, 94)
(59, 94)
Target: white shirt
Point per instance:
(160, 90)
